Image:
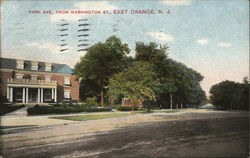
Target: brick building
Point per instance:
(37, 82)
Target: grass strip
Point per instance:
(91, 116)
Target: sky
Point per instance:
(209, 36)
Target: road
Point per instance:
(191, 134)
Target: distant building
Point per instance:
(126, 102)
(37, 82)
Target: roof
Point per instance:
(6, 63)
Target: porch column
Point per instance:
(42, 95)
(38, 95)
(23, 95)
(27, 95)
(52, 96)
(55, 94)
(11, 94)
(8, 93)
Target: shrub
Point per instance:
(116, 106)
(97, 109)
(91, 101)
(126, 108)
(63, 108)
(4, 109)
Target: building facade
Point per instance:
(37, 82)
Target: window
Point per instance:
(47, 78)
(33, 77)
(67, 81)
(67, 94)
(19, 64)
(34, 65)
(19, 76)
(48, 67)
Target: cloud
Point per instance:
(83, 6)
(50, 47)
(177, 2)
(223, 44)
(202, 41)
(161, 36)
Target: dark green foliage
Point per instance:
(125, 108)
(3, 99)
(230, 95)
(4, 108)
(88, 89)
(61, 109)
(109, 60)
(91, 101)
(187, 82)
(152, 53)
(100, 63)
(148, 105)
(176, 79)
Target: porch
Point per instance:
(30, 91)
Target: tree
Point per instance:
(230, 95)
(245, 91)
(180, 83)
(152, 53)
(135, 84)
(187, 82)
(101, 62)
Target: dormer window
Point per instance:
(48, 67)
(19, 64)
(19, 76)
(33, 77)
(34, 65)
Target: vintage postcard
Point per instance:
(121, 78)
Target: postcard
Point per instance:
(146, 78)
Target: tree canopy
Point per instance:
(230, 95)
(176, 79)
(101, 62)
(149, 77)
(135, 84)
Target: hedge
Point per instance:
(62, 109)
(125, 108)
(4, 109)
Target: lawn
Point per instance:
(167, 110)
(92, 116)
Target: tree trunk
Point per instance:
(171, 101)
(110, 101)
(176, 106)
(102, 104)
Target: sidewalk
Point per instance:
(20, 117)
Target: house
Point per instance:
(37, 82)
(126, 102)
